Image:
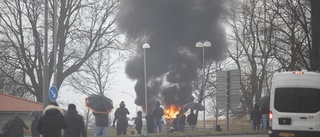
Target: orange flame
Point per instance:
(171, 111)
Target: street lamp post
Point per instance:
(132, 97)
(145, 46)
(203, 45)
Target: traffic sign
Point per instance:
(53, 93)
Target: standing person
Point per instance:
(121, 117)
(6, 129)
(150, 125)
(138, 122)
(265, 118)
(17, 127)
(192, 120)
(76, 126)
(175, 122)
(255, 116)
(157, 113)
(52, 121)
(102, 123)
(181, 121)
(34, 126)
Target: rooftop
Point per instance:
(13, 103)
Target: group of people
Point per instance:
(181, 119)
(49, 124)
(53, 121)
(256, 115)
(155, 120)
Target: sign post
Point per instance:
(228, 91)
(53, 93)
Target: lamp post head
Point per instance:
(207, 44)
(145, 46)
(203, 44)
(199, 44)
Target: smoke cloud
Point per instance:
(172, 28)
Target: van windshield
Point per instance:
(297, 100)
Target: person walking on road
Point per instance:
(17, 127)
(76, 126)
(52, 121)
(192, 120)
(255, 116)
(157, 113)
(121, 117)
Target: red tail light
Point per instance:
(270, 122)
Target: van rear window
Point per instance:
(297, 100)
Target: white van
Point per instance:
(295, 104)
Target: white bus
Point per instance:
(295, 104)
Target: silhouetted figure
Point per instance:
(76, 126)
(149, 120)
(121, 117)
(34, 125)
(17, 127)
(192, 120)
(255, 116)
(52, 122)
(6, 129)
(157, 113)
(101, 127)
(181, 121)
(138, 122)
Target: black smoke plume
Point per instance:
(172, 28)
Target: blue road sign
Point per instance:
(53, 93)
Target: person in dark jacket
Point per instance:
(157, 113)
(181, 121)
(6, 129)
(76, 126)
(102, 123)
(121, 117)
(149, 120)
(255, 116)
(17, 127)
(52, 121)
(192, 120)
(34, 124)
(138, 122)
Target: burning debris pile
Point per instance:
(172, 28)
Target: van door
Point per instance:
(298, 108)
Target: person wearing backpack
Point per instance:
(76, 126)
(121, 117)
(138, 122)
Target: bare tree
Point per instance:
(95, 76)
(84, 28)
(251, 50)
